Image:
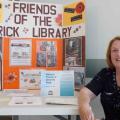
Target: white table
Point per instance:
(43, 109)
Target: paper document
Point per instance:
(25, 101)
(57, 83)
(62, 100)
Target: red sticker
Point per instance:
(80, 7)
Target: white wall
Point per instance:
(102, 24)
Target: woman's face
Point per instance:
(115, 53)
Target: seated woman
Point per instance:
(107, 84)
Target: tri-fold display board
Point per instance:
(39, 37)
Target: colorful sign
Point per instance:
(39, 36)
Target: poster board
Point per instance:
(42, 43)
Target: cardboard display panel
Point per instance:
(40, 36)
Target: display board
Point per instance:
(41, 36)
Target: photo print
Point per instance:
(46, 54)
(73, 51)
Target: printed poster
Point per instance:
(30, 79)
(47, 54)
(74, 51)
(50, 82)
(20, 52)
(57, 83)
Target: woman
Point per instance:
(107, 84)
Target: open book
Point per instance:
(62, 100)
(25, 101)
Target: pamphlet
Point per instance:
(50, 81)
(57, 83)
(25, 101)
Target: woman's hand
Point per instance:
(86, 112)
(85, 97)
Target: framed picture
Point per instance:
(74, 51)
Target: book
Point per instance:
(62, 100)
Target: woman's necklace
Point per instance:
(115, 82)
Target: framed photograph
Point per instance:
(74, 51)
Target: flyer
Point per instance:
(50, 81)
(30, 79)
(57, 83)
(20, 52)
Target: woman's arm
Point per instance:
(85, 97)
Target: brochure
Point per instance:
(57, 83)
